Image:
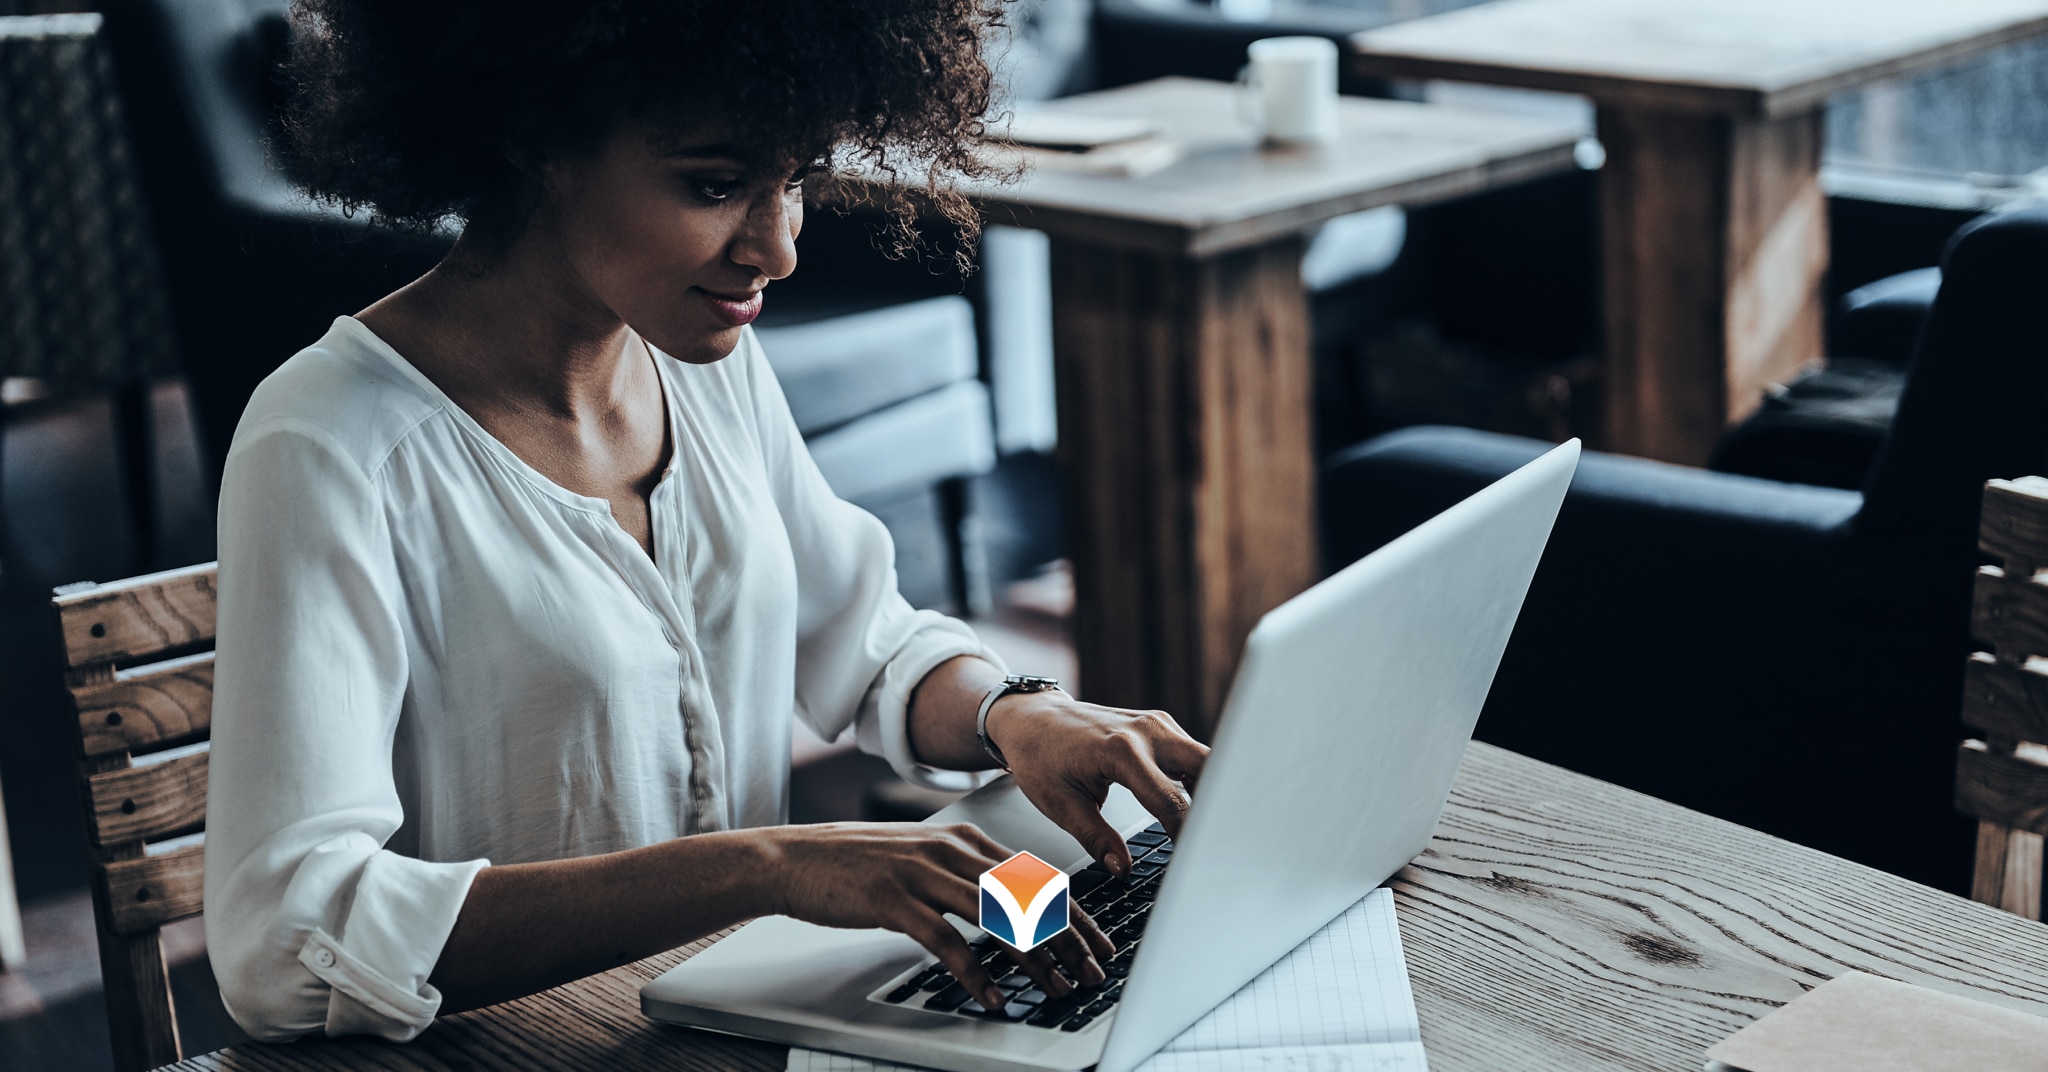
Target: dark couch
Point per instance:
(1783, 655)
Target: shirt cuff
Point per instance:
(377, 970)
(884, 725)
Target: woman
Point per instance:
(525, 569)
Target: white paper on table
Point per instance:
(1340, 1002)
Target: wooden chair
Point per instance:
(141, 678)
(2002, 777)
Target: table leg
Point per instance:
(1714, 233)
(1184, 410)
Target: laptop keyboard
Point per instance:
(1120, 906)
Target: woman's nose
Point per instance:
(767, 242)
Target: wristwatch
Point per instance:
(1013, 683)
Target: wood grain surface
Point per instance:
(1730, 57)
(2010, 613)
(1714, 239)
(149, 800)
(2003, 779)
(1183, 389)
(2004, 700)
(147, 893)
(1714, 226)
(1558, 922)
(1228, 192)
(2000, 787)
(138, 618)
(1555, 922)
(2014, 523)
(147, 708)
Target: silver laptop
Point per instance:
(1337, 748)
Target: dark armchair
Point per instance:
(256, 270)
(1782, 655)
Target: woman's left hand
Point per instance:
(1065, 753)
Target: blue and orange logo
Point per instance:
(1024, 901)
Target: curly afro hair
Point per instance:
(418, 111)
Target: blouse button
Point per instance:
(324, 958)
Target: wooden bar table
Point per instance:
(1555, 922)
(1713, 221)
(1181, 349)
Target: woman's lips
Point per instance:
(738, 310)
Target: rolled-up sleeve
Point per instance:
(861, 648)
(311, 923)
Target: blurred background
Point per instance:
(184, 267)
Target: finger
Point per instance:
(1166, 801)
(981, 843)
(1091, 932)
(1037, 964)
(1179, 755)
(1075, 958)
(931, 931)
(1082, 818)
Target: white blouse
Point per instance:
(432, 657)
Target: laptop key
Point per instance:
(1014, 982)
(1032, 996)
(1047, 1018)
(1148, 839)
(1086, 881)
(1017, 1010)
(1077, 1021)
(952, 997)
(902, 993)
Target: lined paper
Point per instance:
(1340, 1002)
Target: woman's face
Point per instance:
(676, 236)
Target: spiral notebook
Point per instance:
(1340, 1002)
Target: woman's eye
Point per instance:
(716, 190)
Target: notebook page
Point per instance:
(1340, 1002)
(1348, 984)
(1378, 1057)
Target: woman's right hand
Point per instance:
(906, 877)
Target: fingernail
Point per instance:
(1115, 864)
(1095, 973)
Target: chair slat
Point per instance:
(144, 802)
(2010, 614)
(2014, 523)
(166, 703)
(148, 893)
(2002, 788)
(135, 619)
(2005, 700)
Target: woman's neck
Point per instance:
(517, 334)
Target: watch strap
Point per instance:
(1011, 684)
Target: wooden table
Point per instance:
(1181, 349)
(1714, 226)
(1555, 922)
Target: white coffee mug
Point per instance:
(1292, 87)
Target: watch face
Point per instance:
(1024, 683)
